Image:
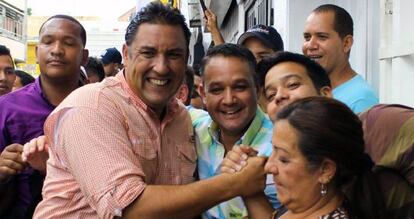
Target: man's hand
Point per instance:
(236, 159)
(252, 178)
(11, 162)
(211, 20)
(36, 153)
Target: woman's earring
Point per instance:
(324, 189)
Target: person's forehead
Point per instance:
(254, 41)
(61, 25)
(285, 136)
(236, 65)
(6, 60)
(287, 69)
(147, 32)
(323, 21)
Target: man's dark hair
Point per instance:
(230, 50)
(315, 72)
(156, 13)
(343, 23)
(25, 78)
(94, 66)
(196, 69)
(4, 51)
(67, 17)
(189, 81)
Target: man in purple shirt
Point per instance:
(60, 53)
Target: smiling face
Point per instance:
(323, 44)
(230, 93)
(285, 83)
(155, 63)
(7, 75)
(297, 186)
(60, 51)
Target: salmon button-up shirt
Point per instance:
(106, 145)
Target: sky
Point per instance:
(108, 9)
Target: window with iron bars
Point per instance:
(11, 23)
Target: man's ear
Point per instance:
(182, 94)
(125, 53)
(37, 59)
(347, 43)
(85, 57)
(326, 91)
(202, 92)
(327, 171)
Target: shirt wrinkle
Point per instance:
(124, 144)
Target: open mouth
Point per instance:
(315, 57)
(231, 112)
(158, 82)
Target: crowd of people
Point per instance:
(253, 131)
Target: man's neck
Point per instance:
(228, 140)
(341, 75)
(56, 92)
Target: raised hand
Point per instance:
(251, 180)
(11, 162)
(236, 159)
(36, 153)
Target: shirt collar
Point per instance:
(39, 90)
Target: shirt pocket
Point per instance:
(187, 158)
(146, 154)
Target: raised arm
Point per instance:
(211, 24)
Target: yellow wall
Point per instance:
(175, 3)
(31, 65)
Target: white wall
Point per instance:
(17, 49)
(397, 52)
(21, 4)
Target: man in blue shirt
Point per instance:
(328, 38)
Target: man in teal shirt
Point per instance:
(234, 118)
(327, 39)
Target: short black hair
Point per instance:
(315, 72)
(94, 66)
(4, 51)
(343, 23)
(25, 78)
(156, 13)
(230, 50)
(67, 17)
(189, 81)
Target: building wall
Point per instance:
(13, 27)
(397, 52)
